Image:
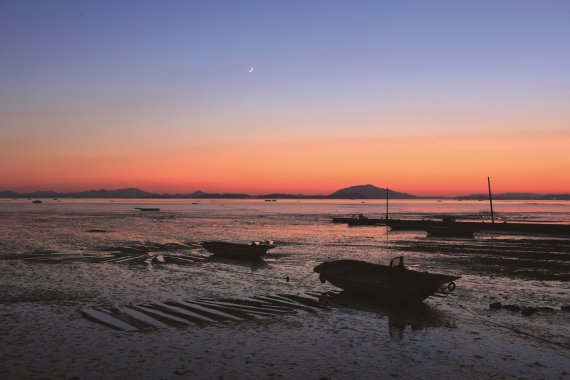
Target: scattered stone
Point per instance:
(529, 310)
(158, 259)
(512, 307)
(477, 356)
(495, 305)
(394, 374)
(565, 308)
(546, 309)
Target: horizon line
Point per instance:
(280, 193)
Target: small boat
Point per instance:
(393, 283)
(342, 219)
(37, 201)
(239, 251)
(147, 208)
(451, 231)
(412, 225)
(361, 220)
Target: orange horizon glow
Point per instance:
(444, 165)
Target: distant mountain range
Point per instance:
(352, 192)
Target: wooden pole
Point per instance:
(491, 200)
(386, 203)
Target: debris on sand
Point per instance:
(525, 310)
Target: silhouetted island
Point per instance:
(352, 192)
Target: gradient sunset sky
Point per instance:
(426, 97)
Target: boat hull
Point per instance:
(380, 282)
(450, 231)
(359, 221)
(526, 228)
(235, 250)
(366, 222)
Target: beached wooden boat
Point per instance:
(504, 227)
(451, 231)
(147, 208)
(393, 283)
(404, 224)
(359, 220)
(362, 220)
(342, 219)
(239, 251)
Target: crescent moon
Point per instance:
(250, 70)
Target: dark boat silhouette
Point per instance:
(448, 226)
(393, 283)
(361, 220)
(451, 231)
(342, 219)
(505, 227)
(239, 251)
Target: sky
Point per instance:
(422, 97)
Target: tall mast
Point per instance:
(386, 203)
(491, 200)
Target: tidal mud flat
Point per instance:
(54, 267)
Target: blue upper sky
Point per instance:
(313, 53)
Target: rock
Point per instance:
(529, 310)
(495, 305)
(546, 309)
(159, 259)
(512, 307)
(565, 308)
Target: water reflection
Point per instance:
(414, 317)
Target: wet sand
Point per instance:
(44, 335)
